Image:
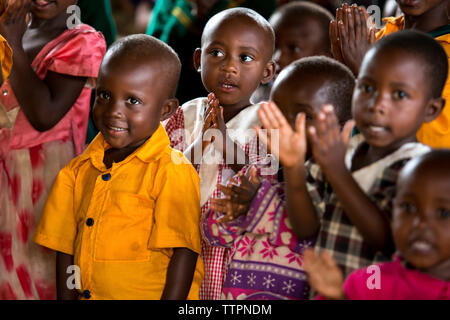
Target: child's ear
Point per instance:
(197, 59)
(169, 108)
(269, 72)
(434, 109)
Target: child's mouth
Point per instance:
(226, 86)
(42, 3)
(115, 130)
(421, 247)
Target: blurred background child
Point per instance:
(47, 101)
(421, 231)
(301, 30)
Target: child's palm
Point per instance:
(285, 143)
(325, 277)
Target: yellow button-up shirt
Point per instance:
(5, 58)
(436, 133)
(121, 224)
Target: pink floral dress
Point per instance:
(30, 161)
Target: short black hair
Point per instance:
(294, 12)
(258, 20)
(424, 47)
(141, 47)
(339, 84)
(436, 158)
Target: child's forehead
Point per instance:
(232, 28)
(394, 64)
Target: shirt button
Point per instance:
(90, 222)
(86, 294)
(106, 177)
(5, 92)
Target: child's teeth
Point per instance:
(421, 245)
(376, 128)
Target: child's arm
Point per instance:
(44, 102)
(179, 274)
(63, 261)
(329, 148)
(291, 152)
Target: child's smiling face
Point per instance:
(391, 98)
(130, 99)
(421, 217)
(49, 9)
(234, 60)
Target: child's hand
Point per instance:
(325, 277)
(328, 143)
(214, 119)
(291, 144)
(237, 199)
(350, 36)
(13, 21)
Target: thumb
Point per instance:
(347, 131)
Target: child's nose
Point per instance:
(378, 103)
(115, 110)
(230, 65)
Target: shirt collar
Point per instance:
(151, 150)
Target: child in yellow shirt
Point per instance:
(123, 211)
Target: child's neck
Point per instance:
(118, 155)
(440, 271)
(57, 24)
(230, 111)
(430, 20)
(367, 154)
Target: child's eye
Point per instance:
(408, 207)
(246, 58)
(216, 53)
(294, 49)
(443, 213)
(132, 100)
(103, 95)
(400, 95)
(366, 88)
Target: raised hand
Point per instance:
(13, 21)
(291, 145)
(350, 36)
(325, 277)
(328, 143)
(237, 199)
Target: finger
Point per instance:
(226, 191)
(358, 25)
(343, 37)
(264, 116)
(347, 131)
(345, 17)
(351, 25)
(362, 24)
(372, 35)
(245, 183)
(332, 123)
(219, 207)
(254, 178)
(314, 139)
(335, 41)
(278, 115)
